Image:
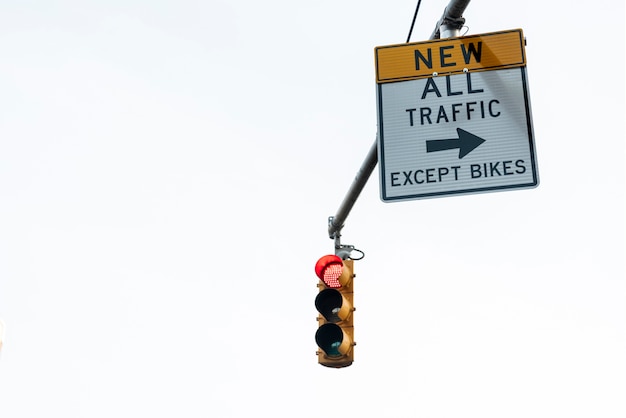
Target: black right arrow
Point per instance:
(466, 143)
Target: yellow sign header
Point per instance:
(489, 51)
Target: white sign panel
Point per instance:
(461, 133)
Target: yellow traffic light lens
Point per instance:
(328, 302)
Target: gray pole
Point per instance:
(448, 26)
(335, 223)
(451, 22)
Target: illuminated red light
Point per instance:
(329, 269)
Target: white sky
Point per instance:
(167, 169)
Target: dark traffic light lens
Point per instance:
(329, 338)
(328, 302)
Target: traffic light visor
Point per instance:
(329, 269)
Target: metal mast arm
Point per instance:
(335, 223)
(448, 26)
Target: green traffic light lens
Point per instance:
(329, 338)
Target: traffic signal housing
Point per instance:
(335, 304)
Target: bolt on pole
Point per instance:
(449, 26)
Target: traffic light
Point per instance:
(334, 302)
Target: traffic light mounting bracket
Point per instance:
(343, 251)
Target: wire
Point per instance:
(359, 251)
(408, 38)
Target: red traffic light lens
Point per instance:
(329, 269)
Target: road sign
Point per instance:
(454, 117)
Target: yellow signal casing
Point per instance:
(346, 324)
